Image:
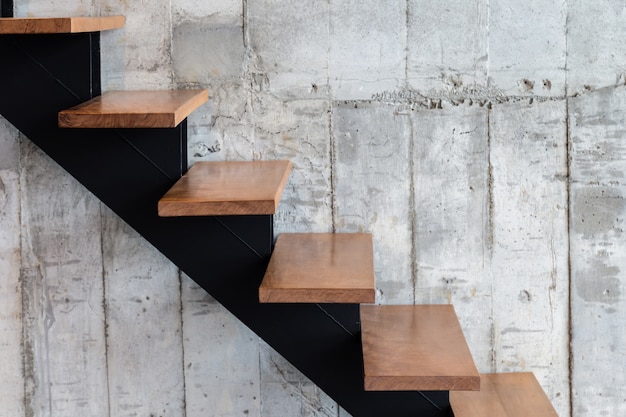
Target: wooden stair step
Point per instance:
(50, 25)
(134, 109)
(227, 188)
(504, 395)
(320, 268)
(415, 347)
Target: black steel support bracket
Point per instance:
(6, 8)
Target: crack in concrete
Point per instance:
(410, 99)
(483, 96)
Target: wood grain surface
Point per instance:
(504, 395)
(134, 109)
(33, 25)
(320, 268)
(227, 188)
(415, 347)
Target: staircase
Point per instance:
(310, 296)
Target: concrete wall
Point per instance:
(481, 142)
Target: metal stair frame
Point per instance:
(130, 169)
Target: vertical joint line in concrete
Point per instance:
(170, 16)
(490, 196)
(488, 29)
(569, 215)
(333, 164)
(105, 312)
(260, 369)
(21, 282)
(566, 50)
(244, 24)
(331, 140)
(412, 216)
(331, 136)
(406, 45)
(182, 340)
(490, 237)
(247, 77)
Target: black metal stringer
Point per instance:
(130, 169)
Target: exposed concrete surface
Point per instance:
(482, 143)
(598, 249)
(11, 352)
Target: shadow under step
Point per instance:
(52, 25)
(134, 109)
(504, 395)
(415, 348)
(227, 188)
(320, 268)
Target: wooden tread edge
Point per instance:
(415, 347)
(227, 188)
(320, 268)
(504, 395)
(134, 109)
(52, 25)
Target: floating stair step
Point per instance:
(320, 268)
(134, 109)
(415, 347)
(49, 25)
(504, 395)
(227, 188)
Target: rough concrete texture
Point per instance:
(598, 248)
(288, 46)
(594, 41)
(379, 41)
(373, 190)
(64, 343)
(528, 47)
(232, 364)
(482, 144)
(11, 352)
(286, 392)
(139, 293)
(451, 234)
(298, 131)
(203, 53)
(530, 243)
(458, 58)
